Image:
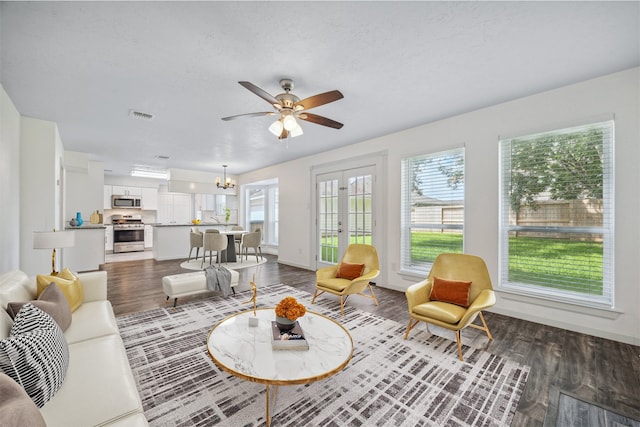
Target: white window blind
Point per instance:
(432, 208)
(556, 214)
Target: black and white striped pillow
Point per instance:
(35, 354)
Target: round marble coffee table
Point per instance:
(246, 352)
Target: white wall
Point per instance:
(9, 184)
(479, 131)
(84, 190)
(41, 176)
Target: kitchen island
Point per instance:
(171, 241)
(87, 253)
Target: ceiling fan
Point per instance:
(289, 107)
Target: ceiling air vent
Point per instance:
(140, 115)
(161, 157)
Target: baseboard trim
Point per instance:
(293, 264)
(568, 326)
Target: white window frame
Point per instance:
(606, 230)
(270, 226)
(407, 264)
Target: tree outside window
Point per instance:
(432, 208)
(556, 214)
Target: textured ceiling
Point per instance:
(85, 65)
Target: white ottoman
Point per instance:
(185, 284)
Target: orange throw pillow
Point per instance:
(349, 271)
(451, 291)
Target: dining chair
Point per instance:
(238, 237)
(251, 240)
(214, 242)
(196, 241)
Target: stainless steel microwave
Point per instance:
(125, 202)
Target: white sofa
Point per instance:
(99, 388)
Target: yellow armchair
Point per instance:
(327, 280)
(458, 267)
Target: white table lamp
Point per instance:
(52, 240)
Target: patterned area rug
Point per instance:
(389, 381)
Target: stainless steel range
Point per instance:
(128, 233)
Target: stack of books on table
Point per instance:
(288, 340)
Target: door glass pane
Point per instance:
(360, 209)
(328, 220)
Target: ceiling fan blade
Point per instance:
(262, 94)
(265, 113)
(318, 100)
(314, 118)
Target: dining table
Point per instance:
(229, 255)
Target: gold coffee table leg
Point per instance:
(271, 403)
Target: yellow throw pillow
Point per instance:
(68, 283)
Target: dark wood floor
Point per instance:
(594, 369)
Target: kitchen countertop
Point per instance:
(85, 227)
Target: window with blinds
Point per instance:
(556, 214)
(432, 208)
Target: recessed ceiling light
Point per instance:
(147, 172)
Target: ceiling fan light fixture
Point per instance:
(296, 131)
(276, 127)
(289, 122)
(290, 108)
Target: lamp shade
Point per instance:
(296, 131)
(289, 122)
(53, 239)
(276, 127)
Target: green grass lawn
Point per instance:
(554, 263)
(329, 250)
(557, 263)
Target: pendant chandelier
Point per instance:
(227, 182)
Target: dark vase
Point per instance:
(285, 324)
(79, 219)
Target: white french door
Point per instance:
(345, 212)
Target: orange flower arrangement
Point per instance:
(290, 308)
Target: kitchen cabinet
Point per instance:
(174, 208)
(108, 191)
(205, 202)
(215, 202)
(149, 199)
(120, 190)
(108, 238)
(148, 236)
